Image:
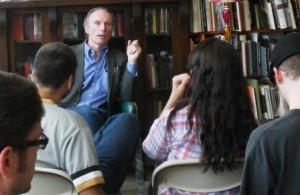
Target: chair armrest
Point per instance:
(129, 107)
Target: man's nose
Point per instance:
(102, 26)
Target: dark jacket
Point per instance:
(120, 81)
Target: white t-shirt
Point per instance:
(70, 147)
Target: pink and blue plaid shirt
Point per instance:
(160, 145)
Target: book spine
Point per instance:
(120, 24)
(154, 21)
(263, 102)
(26, 69)
(257, 16)
(195, 18)
(247, 15)
(251, 94)
(28, 27)
(249, 57)
(241, 12)
(287, 13)
(35, 27)
(235, 17)
(162, 20)
(276, 19)
(254, 83)
(208, 15)
(70, 25)
(147, 21)
(213, 16)
(167, 20)
(291, 11)
(264, 23)
(204, 14)
(281, 15)
(296, 10)
(157, 13)
(271, 16)
(17, 27)
(200, 16)
(264, 54)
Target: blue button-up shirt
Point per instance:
(95, 81)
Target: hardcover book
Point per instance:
(70, 25)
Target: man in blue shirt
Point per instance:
(103, 78)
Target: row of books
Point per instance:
(157, 20)
(254, 49)
(267, 103)
(73, 25)
(207, 16)
(160, 70)
(246, 15)
(27, 27)
(275, 14)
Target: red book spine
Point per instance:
(120, 24)
(17, 27)
(26, 68)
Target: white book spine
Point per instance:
(247, 15)
(195, 26)
(271, 16)
(280, 12)
(208, 16)
(291, 11)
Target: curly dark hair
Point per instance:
(218, 98)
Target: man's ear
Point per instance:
(70, 81)
(86, 29)
(278, 74)
(33, 75)
(8, 161)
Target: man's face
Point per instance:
(25, 171)
(99, 28)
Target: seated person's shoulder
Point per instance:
(60, 113)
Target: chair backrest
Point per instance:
(189, 175)
(51, 181)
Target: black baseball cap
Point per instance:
(287, 46)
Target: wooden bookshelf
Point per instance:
(17, 52)
(254, 44)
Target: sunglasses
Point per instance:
(41, 142)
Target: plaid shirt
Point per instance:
(180, 144)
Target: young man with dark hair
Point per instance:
(20, 132)
(71, 145)
(272, 153)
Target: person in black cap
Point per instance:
(272, 162)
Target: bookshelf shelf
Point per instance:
(244, 32)
(27, 41)
(159, 35)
